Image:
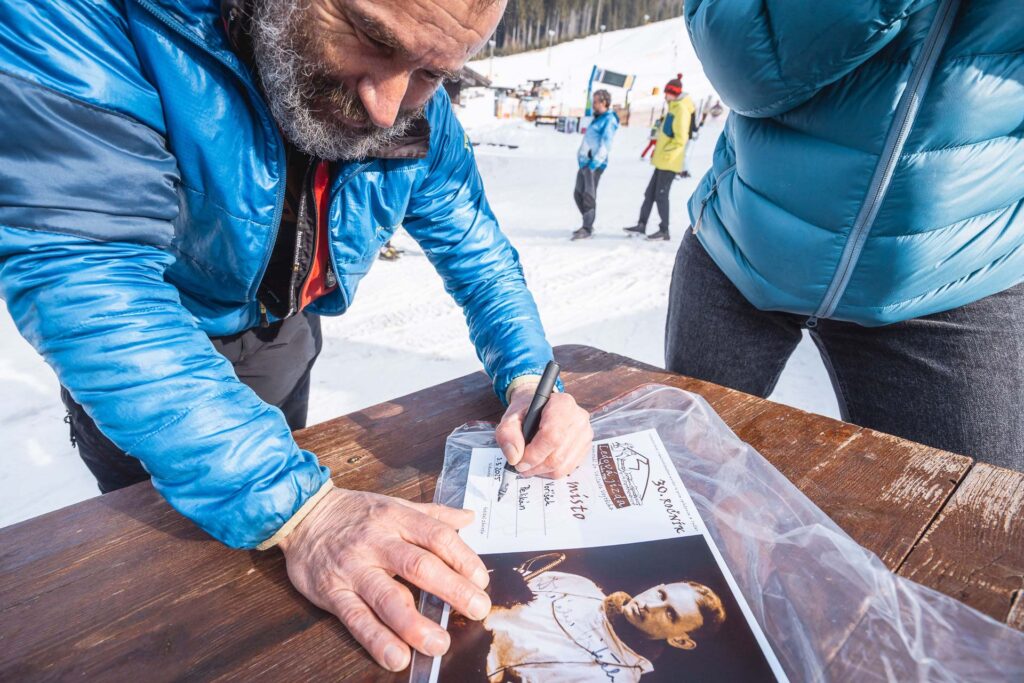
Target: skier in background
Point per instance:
(697, 120)
(593, 159)
(668, 156)
(654, 137)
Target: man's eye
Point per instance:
(433, 77)
(373, 42)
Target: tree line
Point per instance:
(532, 24)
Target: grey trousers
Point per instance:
(953, 380)
(275, 362)
(657, 193)
(585, 194)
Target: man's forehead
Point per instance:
(679, 590)
(444, 33)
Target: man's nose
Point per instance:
(382, 95)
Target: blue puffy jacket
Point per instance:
(597, 141)
(141, 188)
(872, 168)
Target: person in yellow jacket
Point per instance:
(668, 158)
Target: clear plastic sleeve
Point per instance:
(830, 608)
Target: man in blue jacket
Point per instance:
(869, 188)
(185, 186)
(592, 157)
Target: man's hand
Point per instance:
(562, 441)
(343, 556)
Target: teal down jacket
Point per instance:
(141, 186)
(872, 168)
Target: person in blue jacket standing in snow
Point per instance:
(592, 157)
(868, 188)
(185, 187)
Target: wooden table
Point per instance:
(121, 587)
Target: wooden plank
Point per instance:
(881, 490)
(623, 375)
(395, 447)
(974, 550)
(106, 557)
(122, 587)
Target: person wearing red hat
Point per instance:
(669, 155)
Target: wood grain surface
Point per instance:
(974, 551)
(121, 587)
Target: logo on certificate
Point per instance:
(625, 473)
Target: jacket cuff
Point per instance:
(518, 382)
(527, 379)
(299, 515)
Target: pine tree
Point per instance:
(526, 23)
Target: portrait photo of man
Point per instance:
(569, 630)
(652, 611)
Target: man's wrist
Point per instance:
(300, 514)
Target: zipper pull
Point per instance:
(703, 206)
(811, 322)
(264, 321)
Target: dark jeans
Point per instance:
(953, 380)
(275, 362)
(585, 194)
(657, 193)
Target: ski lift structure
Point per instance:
(611, 78)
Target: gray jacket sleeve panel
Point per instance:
(70, 167)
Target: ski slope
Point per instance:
(403, 332)
(653, 53)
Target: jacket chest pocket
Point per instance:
(364, 213)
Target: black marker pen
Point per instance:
(532, 420)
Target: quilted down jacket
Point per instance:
(674, 136)
(597, 141)
(872, 168)
(141, 189)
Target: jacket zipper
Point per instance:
(708, 197)
(310, 199)
(297, 283)
(257, 99)
(896, 139)
(330, 279)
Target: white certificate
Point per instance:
(608, 575)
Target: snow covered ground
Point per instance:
(403, 333)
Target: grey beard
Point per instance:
(290, 85)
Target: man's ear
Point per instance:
(682, 642)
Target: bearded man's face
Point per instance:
(344, 78)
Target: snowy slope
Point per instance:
(403, 333)
(654, 53)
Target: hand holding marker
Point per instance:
(532, 420)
